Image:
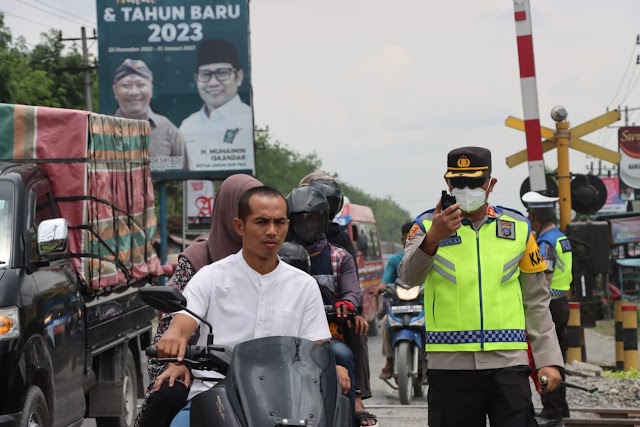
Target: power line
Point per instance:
(51, 13)
(624, 77)
(27, 19)
(64, 11)
(630, 87)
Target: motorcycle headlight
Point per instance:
(9, 323)
(408, 294)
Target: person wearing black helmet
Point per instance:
(334, 269)
(333, 192)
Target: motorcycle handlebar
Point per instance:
(193, 352)
(208, 358)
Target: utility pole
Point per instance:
(86, 68)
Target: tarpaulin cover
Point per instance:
(99, 171)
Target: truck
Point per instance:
(76, 214)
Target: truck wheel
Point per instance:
(36, 411)
(129, 398)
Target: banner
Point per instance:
(199, 204)
(614, 203)
(629, 169)
(183, 65)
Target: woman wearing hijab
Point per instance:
(160, 406)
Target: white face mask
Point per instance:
(470, 199)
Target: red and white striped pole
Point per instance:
(529, 88)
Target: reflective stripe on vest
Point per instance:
(472, 291)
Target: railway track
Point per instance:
(603, 417)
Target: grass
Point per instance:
(627, 375)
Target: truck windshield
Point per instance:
(6, 222)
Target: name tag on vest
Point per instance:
(453, 240)
(506, 229)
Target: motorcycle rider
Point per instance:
(334, 269)
(333, 192)
(219, 291)
(389, 278)
(337, 236)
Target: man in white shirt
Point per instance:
(250, 294)
(220, 135)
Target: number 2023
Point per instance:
(169, 32)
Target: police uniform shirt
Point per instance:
(242, 304)
(535, 297)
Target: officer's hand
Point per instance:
(551, 379)
(446, 222)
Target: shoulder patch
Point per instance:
(506, 229)
(565, 244)
(413, 231)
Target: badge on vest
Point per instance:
(453, 240)
(506, 230)
(565, 245)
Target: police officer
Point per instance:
(484, 289)
(555, 248)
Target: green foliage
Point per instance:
(47, 75)
(282, 168)
(631, 374)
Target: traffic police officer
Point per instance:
(555, 248)
(484, 291)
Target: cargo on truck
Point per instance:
(77, 218)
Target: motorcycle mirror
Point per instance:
(164, 298)
(169, 300)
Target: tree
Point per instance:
(280, 167)
(48, 75)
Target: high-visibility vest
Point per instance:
(472, 292)
(562, 275)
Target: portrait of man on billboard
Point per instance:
(133, 90)
(220, 134)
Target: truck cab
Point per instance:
(66, 352)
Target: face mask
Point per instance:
(470, 199)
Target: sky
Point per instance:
(381, 90)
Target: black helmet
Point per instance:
(308, 200)
(294, 254)
(329, 187)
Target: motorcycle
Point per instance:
(405, 322)
(272, 381)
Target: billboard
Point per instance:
(184, 65)
(629, 168)
(613, 203)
